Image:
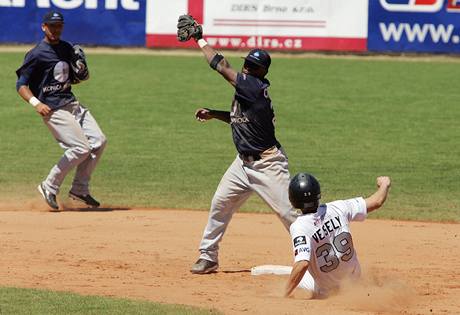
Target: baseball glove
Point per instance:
(78, 63)
(188, 28)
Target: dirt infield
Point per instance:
(409, 267)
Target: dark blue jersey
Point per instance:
(46, 70)
(252, 117)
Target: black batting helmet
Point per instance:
(260, 58)
(304, 192)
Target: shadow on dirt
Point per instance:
(101, 209)
(236, 271)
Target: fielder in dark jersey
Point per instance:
(45, 81)
(261, 165)
(46, 70)
(252, 117)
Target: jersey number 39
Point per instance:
(343, 243)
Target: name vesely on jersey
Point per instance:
(328, 227)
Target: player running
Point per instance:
(261, 165)
(44, 80)
(323, 247)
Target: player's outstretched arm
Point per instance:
(26, 94)
(377, 199)
(188, 28)
(298, 271)
(204, 114)
(218, 62)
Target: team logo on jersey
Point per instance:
(61, 71)
(427, 6)
(300, 240)
(236, 116)
(239, 120)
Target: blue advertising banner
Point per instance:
(414, 26)
(94, 22)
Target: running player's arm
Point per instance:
(377, 199)
(27, 95)
(302, 256)
(219, 63)
(298, 271)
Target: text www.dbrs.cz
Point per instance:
(255, 41)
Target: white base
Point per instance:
(271, 270)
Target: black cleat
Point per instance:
(86, 199)
(203, 266)
(49, 197)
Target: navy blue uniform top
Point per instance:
(252, 117)
(46, 70)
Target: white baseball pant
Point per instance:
(268, 177)
(78, 133)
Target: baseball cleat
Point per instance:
(86, 199)
(49, 197)
(203, 266)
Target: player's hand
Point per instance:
(43, 109)
(203, 114)
(80, 65)
(383, 181)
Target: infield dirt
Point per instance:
(408, 267)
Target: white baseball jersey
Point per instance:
(323, 238)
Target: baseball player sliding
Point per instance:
(261, 165)
(324, 254)
(44, 81)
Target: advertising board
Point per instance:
(414, 26)
(98, 22)
(269, 24)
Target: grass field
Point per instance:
(27, 301)
(345, 121)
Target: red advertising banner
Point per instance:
(295, 25)
(266, 42)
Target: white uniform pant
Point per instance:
(322, 288)
(78, 133)
(268, 177)
(308, 284)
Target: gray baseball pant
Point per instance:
(78, 133)
(268, 177)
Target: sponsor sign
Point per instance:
(414, 26)
(269, 24)
(98, 22)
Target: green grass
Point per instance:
(345, 121)
(29, 301)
